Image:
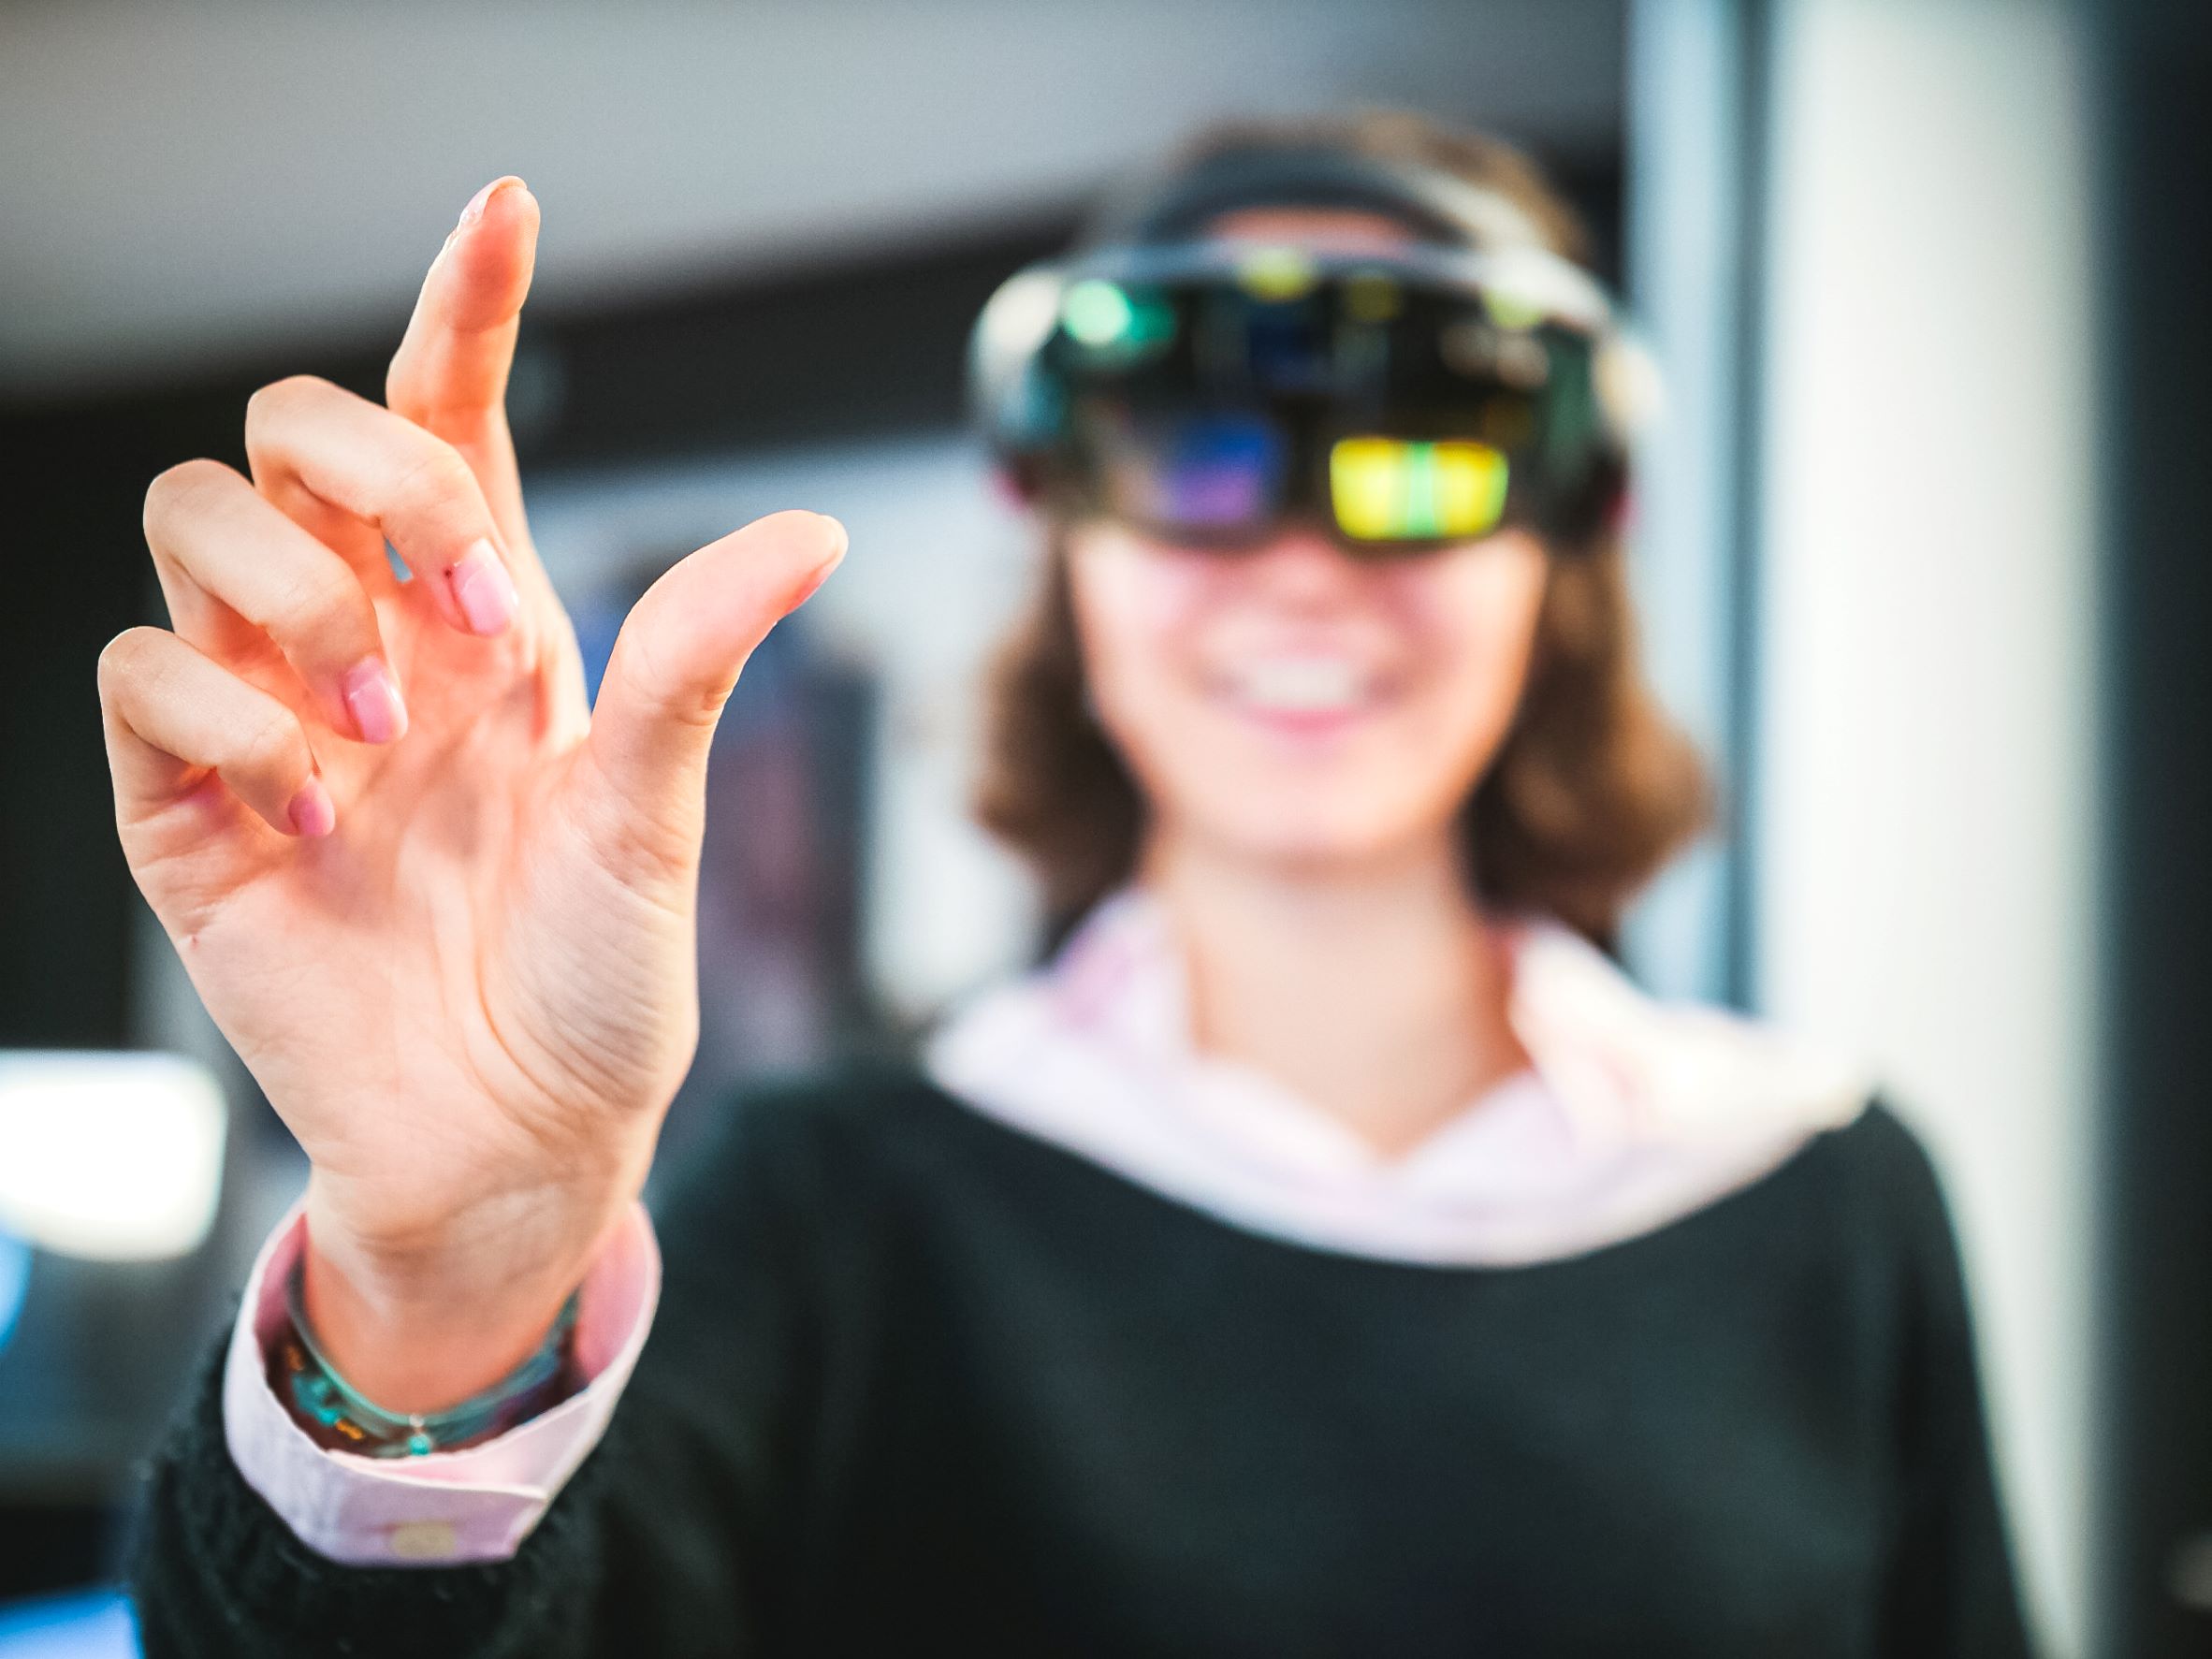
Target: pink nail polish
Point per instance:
(484, 590)
(372, 698)
(312, 812)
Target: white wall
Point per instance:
(1926, 770)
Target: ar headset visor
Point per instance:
(1209, 393)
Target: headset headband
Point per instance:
(1437, 206)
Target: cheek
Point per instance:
(1137, 616)
(1470, 612)
(1474, 618)
(1477, 620)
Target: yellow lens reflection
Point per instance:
(1407, 489)
(1276, 274)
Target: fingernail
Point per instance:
(808, 588)
(483, 589)
(312, 812)
(372, 698)
(474, 210)
(841, 540)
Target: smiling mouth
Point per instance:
(1303, 690)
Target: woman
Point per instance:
(1326, 1251)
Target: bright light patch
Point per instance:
(1405, 489)
(117, 1156)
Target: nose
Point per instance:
(1300, 569)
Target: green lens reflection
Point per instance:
(1114, 324)
(1097, 312)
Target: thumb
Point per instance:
(644, 766)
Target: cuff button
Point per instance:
(423, 1541)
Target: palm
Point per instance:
(476, 939)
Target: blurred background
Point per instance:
(1921, 542)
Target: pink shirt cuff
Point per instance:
(448, 1507)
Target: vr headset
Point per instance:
(1210, 391)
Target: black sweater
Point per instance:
(920, 1381)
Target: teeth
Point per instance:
(1300, 685)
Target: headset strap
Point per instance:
(1436, 205)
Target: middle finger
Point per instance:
(415, 489)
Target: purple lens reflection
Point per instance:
(1215, 469)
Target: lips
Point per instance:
(1304, 689)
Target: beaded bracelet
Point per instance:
(321, 1399)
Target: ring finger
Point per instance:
(223, 552)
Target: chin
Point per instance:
(1346, 829)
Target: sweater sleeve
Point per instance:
(660, 1544)
(1952, 1591)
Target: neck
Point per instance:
(1376, 993)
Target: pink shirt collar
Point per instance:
(1635, 1112)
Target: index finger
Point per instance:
(450, 372)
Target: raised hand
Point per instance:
(442, 908)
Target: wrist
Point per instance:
(340, 1417)
(423, 1328)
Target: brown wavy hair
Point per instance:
(1593, 788)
